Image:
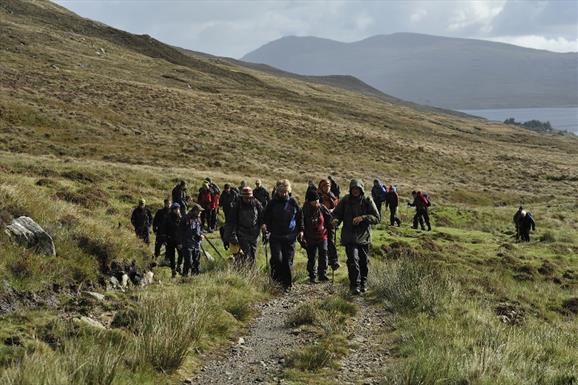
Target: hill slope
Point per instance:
(438, 71)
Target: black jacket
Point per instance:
(262, 195)
(350, 207)
(245, 220)
(159, 218)
(525, 223)
(171, 228)
(283, 218)
(141, 218)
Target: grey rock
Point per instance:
(89, 322)
(95, 295)
(29, 234)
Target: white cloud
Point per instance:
(476, 13)
(558, 44)
(418, 15)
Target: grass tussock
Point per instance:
(321, 354)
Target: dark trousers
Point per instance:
(378, 205)
(357, 260)
(249, 247)
(282, 253)
(421, 216)
(160, 240)
(331, 247)
(192, 258)
(393, 219)
(170, 256)
(213, 219)
(525, 235)
(312, 251)
(209, 219)
(143, 233)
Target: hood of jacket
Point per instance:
(356, 183)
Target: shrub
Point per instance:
(167, 325)
(305, 314)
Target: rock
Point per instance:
(29, 234)
(89, 322)
(95, 295)
(241, 341)
(148, 278)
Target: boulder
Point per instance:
(29, 234)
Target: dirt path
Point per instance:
(258, 357)
(368, 353)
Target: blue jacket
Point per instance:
(283, 218)
(191, 232)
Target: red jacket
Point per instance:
(205, 199)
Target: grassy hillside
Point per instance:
(92, 118)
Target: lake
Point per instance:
(563, 118)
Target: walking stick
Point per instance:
(214, 248)
(207, 255)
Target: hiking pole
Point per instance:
(214, 248)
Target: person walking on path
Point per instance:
(283, 222)
(357, 213)
(244, 224)
(171, 228)
(391, 203)
(421, 204)
(160, 237)
(142, 219)
(378, 193)
(205, 200)
(190, 240)
(516, 219)
(261, 193)
(334, 187)
(525, 224)
(316, 220)
(180, 195)
(329, 201)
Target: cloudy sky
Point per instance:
(235, 27)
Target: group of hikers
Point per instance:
(281, 222)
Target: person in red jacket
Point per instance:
(205, 200)
(316, 220)
(330, 201)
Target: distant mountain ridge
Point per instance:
(439, 71)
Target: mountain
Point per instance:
(439, 71)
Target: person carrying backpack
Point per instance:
(160, 237)
(283, 222)
(421, 203)
(378, 193)
(191, 235)
(391, 202)
(316, 220)
(180, 195)
(205, 200)
(244, 223)
(525, 224)
(329, 201)
(357, 213)
(141, 219)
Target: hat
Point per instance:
(247, 191)
(197, 207)
(312, 196)
(175, 205)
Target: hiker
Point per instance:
(378, 193)
(160, 237)
(171, 228)
(190, 240)
(421, 204)
(242, 185)
(334, 187)
(244, 224)
(215, 193)
(517, 216)
(204, 199)
(391, 203)
(227, 199)
(357, 213)
(141, 220)
(310, 187)
(261, 193)
(180, 195)
(525, 224)
(330, 201)
(282, 220)
(316, 220)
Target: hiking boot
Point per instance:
(323, 278)
(363, 288)
(312, 280)
(335, 265)
(429, 228)
(355, 291)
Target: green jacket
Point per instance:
(349, 208)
